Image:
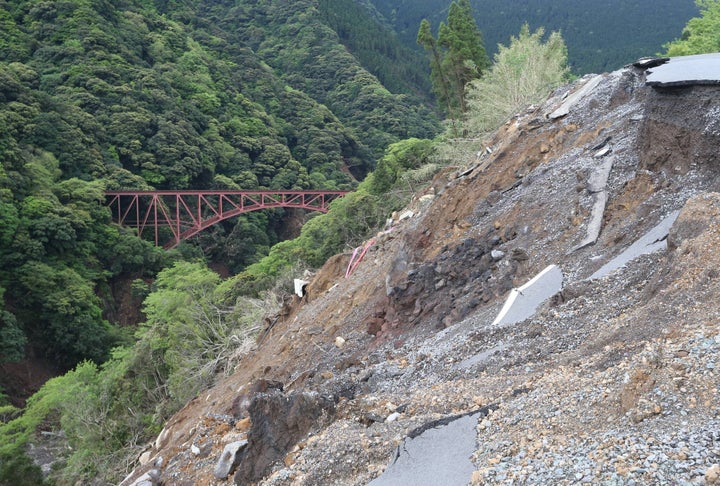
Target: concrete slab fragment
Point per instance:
(598, 179)
(654, 240)
(595, 223)
(597, 184)
(686, 71)
(299, 286)
(571, 100)
(480, 357)
(524, 301)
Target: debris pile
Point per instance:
(611, 375)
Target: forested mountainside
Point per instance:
(601, 36)
(103, 94)
(400, 68)
(108, 94)
(306, 54)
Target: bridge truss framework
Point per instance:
(186, 213)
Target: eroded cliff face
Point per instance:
(612, 379)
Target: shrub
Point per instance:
(523, 73)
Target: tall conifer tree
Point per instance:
(457, 56)
(440, 82)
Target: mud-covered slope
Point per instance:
(613, 379)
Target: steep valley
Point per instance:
(612, 380)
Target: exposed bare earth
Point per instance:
(613, 380)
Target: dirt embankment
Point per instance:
(606, 365)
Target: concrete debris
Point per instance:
(522, 302)
(654, 240)
(438, 455)
(598, 179)
(299, 287)
(575, 97)
(602, 152)
(649, 62)
(597, 186)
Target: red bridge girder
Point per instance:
(186, 213)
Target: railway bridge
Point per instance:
(174, 216)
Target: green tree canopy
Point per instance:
(702, 34)
(523, 73)
(457, 56)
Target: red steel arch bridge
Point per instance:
(174, 216)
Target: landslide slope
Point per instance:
(613, 379)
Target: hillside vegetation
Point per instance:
(100, 95)
(249, 94)
(601, 36)
(197, 327)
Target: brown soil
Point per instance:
(601, 361)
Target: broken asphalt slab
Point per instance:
(438, 453)
(523, 301)
(654, 240)
(686, 71)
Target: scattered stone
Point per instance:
(150, 478)
(406, 215)
(202, 450)
(228, 459)
(371, 418)
(392, 417)
(145, 457)
(712, 475)
(497, 254)
(162, 438)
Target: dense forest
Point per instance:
(601, 36)
(98, 95)
(101, 94)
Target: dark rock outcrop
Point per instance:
(279, 421)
